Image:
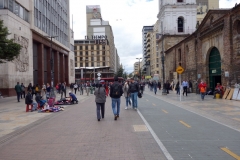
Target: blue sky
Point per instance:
(127, 17)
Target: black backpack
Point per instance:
(115, 90)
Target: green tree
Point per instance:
(119, 72)
(130, 75)
(8, 49)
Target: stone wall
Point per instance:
(20, 69)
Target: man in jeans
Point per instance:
(18, 90)
(116, 92)
(133, 90)
(185, 86)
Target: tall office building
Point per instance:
(39, 26)
(146, 56)
(97, 28)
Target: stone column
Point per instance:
(40, 64)
(66, 69)
(48, 63)
(61, 67)
(56, 68)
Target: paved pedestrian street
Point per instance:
(163, 128)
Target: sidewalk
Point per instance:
(224, 111)
(75, 133)
(13, 115)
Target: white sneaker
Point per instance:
(126, 108)
(135, 108)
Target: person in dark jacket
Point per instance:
(133, 91)
(63, 89)
(18, 90)
(116, 92)
(29, 100)
(100, 99)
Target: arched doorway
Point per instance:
(214, 68)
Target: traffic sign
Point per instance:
(99, 78)
(99, 74)
(179, 70)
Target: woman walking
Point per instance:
(126, 94)
(100, 99)
(48, 90)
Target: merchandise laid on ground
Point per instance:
(51, 109)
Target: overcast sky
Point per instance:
(127, 17)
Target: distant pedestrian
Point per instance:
(18, 90)
(63, 90)
(202, 87)
(23, 91)
(29, 100)
(177, 88)
(190, 86)
(155, 86)
(100, 99)
(185, 87)
(133, 90)
(116, 92)
(126, 94)
(48, 90)
(159, 85)
(75, 86)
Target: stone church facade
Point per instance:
(211, 53)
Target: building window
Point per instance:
(103, 47)
(75, 47)
(80, 47)
(103, 52)
(179, 55)
(98, 64)
(80, 53)
(92, 59)
(97, 52)
(238, 27)
(103, 58)
(157, 65)
(92, 47)
(179, 0)
(81, 64)
(180, 24)
(86, 52)
(97, 47)
(92, 64)
(86, 64)
(103, 63)
(98, 58)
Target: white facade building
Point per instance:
(177, 16)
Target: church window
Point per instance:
(179, 0)
(180, 24)
(238, 27)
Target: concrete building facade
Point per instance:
(91, 57)
(212, 52)
(31, 23)
(97, 28)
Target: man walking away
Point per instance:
(133, 90)
(116, 92)
(185, 86)
(190, 86)
(18, 90)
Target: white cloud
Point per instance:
(127, 17)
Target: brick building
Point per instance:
(212, 52)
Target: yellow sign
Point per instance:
(148, 77)
(179, 70)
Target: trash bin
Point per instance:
(217, 96)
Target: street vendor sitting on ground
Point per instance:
(42, 102)
(218, 90)
(72, 97)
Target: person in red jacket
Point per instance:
(202, 88)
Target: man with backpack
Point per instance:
(116, 92)
(133, 91)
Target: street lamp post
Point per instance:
(139, 68)
(163, 68)
(51, 62)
